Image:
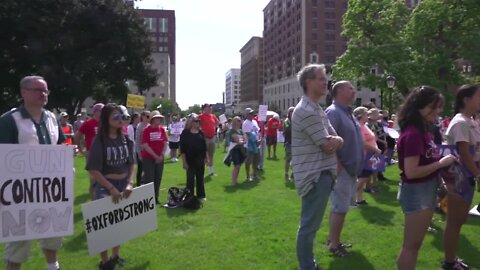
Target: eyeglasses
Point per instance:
(39, 91)
(117, 116)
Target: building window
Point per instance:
(330, 59)
(330, 26)
(330, 48)
(330, 15)
(314, 24)
(151, 24)
(329, 36)
(374, 101)
(163, 25)
(153, 94)
(330, 4)
(314, 14)
(314, 3)
(162, 95)
(358, 102)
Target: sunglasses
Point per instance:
(119, 116)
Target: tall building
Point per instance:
(232, 87)
(295, 33)
(161, 24)
(251, 73)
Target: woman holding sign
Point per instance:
(464, 133)
(110, 163)
(419, 164)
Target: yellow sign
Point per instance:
(135, 101)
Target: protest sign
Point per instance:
(108, 225)
(135, 101)
(176, 128)
(374, 164)
(445, 149)
(36, 191)
(262, 113)
(223, 119)
(280, 137)
(474, 211)
(391, 132)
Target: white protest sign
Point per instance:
(176, 128)
(108, 225)
(474, 211)
(36, 191)
(391, 132)
(280, 137)
(223, 119)
(262, 113)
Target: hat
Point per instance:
(124, 110)
(155, 114)
(206, 105)
(249, 111)
(63, 114)
(360, 111)
(98, 107)
(290, 109)
(193, 117)
(276, 117)
(374, 112)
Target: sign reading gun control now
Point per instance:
(36, 191)
(108, 225)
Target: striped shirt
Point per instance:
(310, 128)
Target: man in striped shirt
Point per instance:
(314, 144)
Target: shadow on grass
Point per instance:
(142, 266)
(290, 184)
(177, 212)
(76, 243)
(387, 195)
(360, 262)
(241, 186)
(83, 198)
(376, 215)
(465, 250)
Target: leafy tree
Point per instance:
(193, 109)
(167, 107)
(83, 48)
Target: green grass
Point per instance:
(253, 226)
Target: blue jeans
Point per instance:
(313, 210)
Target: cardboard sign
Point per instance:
(445, 149)
(262, 113)
(176, 128)
(391, 132)
(36, 191)
(108, 225)
(135, 101)
(223, 119)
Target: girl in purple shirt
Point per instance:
(419, 164)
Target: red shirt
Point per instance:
(208, 123)
(89, 128)
(67, 129)
(155, 138)
(272, 126)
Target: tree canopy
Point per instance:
(420, 46)
(83, 48)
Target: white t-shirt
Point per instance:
(250, 126)
(464, 129)
(175, 129)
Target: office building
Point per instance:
(251, 73)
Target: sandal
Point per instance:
(340, 251)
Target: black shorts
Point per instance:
(271, 140)
(174, 145)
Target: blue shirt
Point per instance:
(351, 154)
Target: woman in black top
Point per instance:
(110, 163)
(194, 153)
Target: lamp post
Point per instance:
(390, 84)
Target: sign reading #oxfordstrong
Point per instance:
(108, 225)
(36, 191)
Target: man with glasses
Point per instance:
(87, 132)
(31, 124)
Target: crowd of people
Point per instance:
(326, 152)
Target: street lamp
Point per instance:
(390, 84)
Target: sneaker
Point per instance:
(118, 261)
(362, 202)
(458, 264)
(340, 251)
(354, 205)
(109, 265)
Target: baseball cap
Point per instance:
(249, 110)
(98, 107)
(63, 114)
(124, 110)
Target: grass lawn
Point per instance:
(253, 226)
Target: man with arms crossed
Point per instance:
(314, 144)
(31, 124)
(350, 162)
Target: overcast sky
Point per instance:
(209, 35)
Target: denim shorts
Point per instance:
(414, 197)
(102, 192)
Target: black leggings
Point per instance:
(195, 172)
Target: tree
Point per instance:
(167, 107)
(193, 109)
(83, 48)
(418, 47)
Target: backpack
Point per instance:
(182, 197)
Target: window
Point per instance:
(151, 24)
(330, 26)
(314, 25)
(374, 101)
(162, 95)
(314, 36)
(314, 3)
(163, 25)
(330, 59)
(153, 94)
(358, 102)
(330, 4)
(329, 36)
(313, 58)
(330, 15)
(314, 14)
(330, 48)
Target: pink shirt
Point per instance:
(368, 136)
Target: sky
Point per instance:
(209, 35)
